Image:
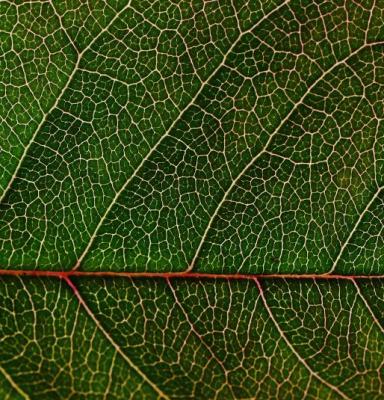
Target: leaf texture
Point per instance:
(226, 140)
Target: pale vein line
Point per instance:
(167, 132)
(59, 97)
(14, 384)
(370, 20)
(353, 230)
(110, 339)
(368, 307)
(301, 360)
(265, 147)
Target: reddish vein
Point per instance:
(171, 275)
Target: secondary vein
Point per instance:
(59, 97)
(263, 150)
(14, 384)
(153, 149)
(113, 343)
(301, 360)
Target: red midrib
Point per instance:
(170, 275)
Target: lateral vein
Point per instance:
(13, 383)
(265, 148)
(301, 360)
(367, 306)
(353, 230)
(167, 132)
(110, 339)
(59, 97)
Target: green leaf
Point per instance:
(192, 199)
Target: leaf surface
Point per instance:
(192, 200)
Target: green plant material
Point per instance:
(228, 140)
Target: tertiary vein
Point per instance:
(197, 334)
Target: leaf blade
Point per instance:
(240, 141)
